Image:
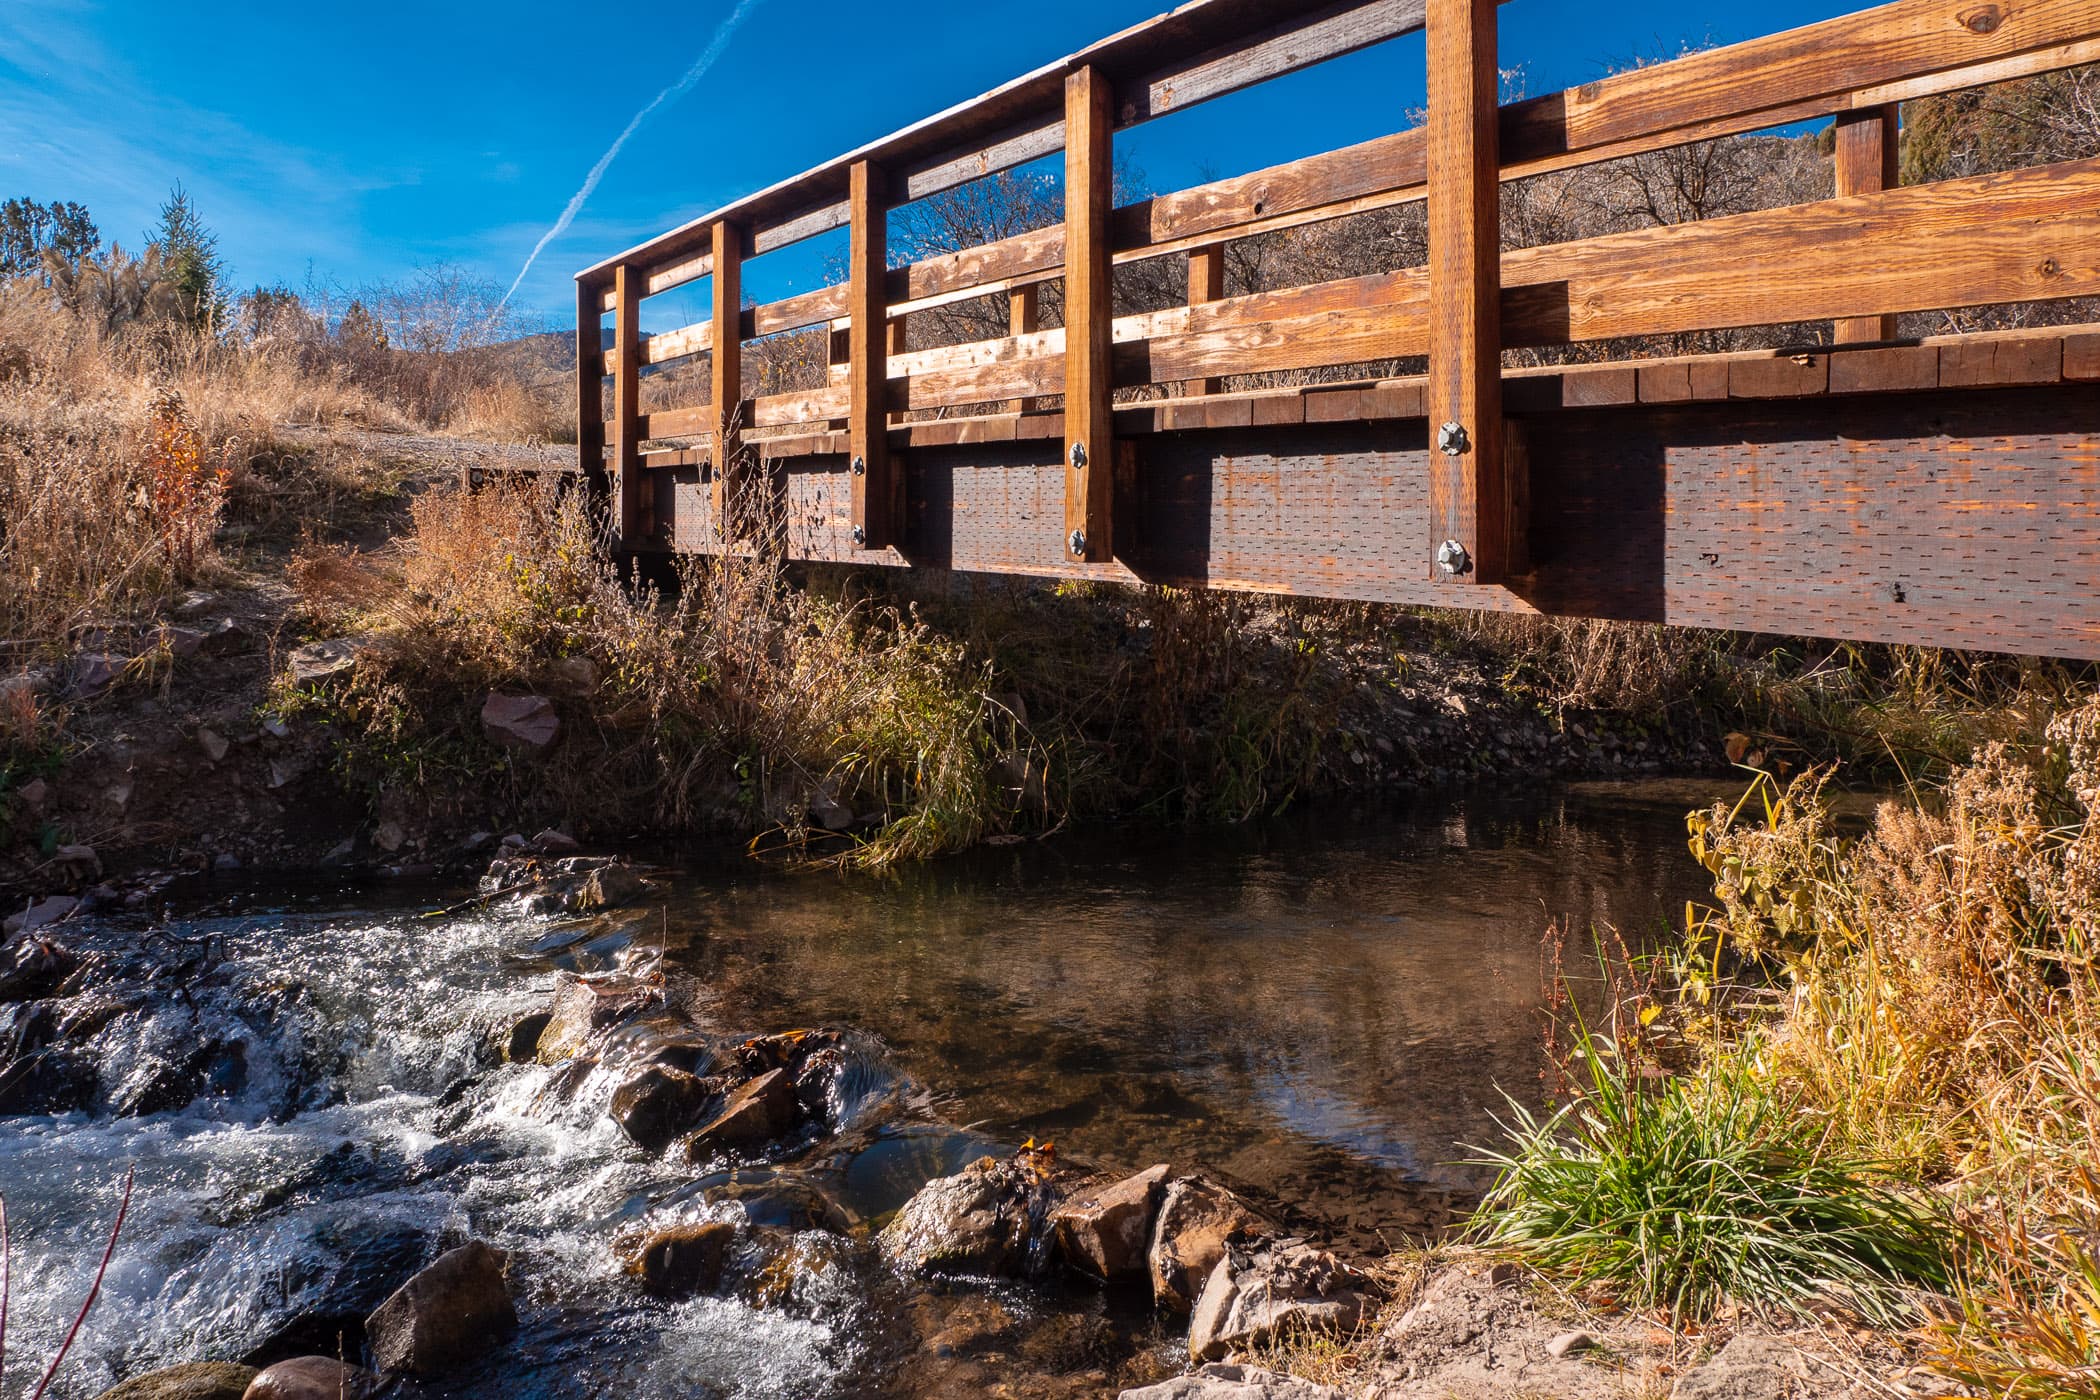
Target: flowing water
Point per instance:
(1324, 1009)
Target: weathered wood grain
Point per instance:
(632, 508)
(590, 395)
(1866, 164)
(1089, 317)
(726, 375)
(876, 505)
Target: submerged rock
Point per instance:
(1107, 1232)
(656, 1104)
(982, 1220)
(759, 1111)
(314, 1378)
(682, 1260)
(583, 1008)
(33, 967)
(1197, 1219)
(192, 1380)
(449, 1313)
(1288, 1287)
(1221, 1382)
(54, 1079)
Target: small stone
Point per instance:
(479, 841)
(608, 887)
(192, 1380)
(324, 661)
(1570, 1343)
(227, 637)
(1219, 1381)
(575, 675)
(683, 1260)
(80, 861)
(226, 862)
(520, 723)
(286, 771)
(180, 642)
(277, 728)
(313, 1378)
(1197, 1220)
(91, 673)
(449, 1313)
(761, 1110)
(340, 853)
(553, 842)
(522, 1045)
(213, 743)
(1288, 1288)
(34, 794)
(389, 836)
(118, 793)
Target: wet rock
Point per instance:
(797, 1269)
(55, 1079)
(193, 1380)
(784, 1203)
(1197, 1219)
(554, 842)
(346, 1264)
(33, 967)
(982, 1220)
(161, 1085)
(657, 1104)
(1221, 1382)
(449, 1313)
(314, 1378)
(323, 661)
(1106, 1233)
(520, 723)
(608, 887)
(583, 1008)
(758, 1111)
(683, 1260)
(1288, 1287)
(522, 1045)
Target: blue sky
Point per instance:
(360, 141)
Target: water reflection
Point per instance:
(1324, 1007)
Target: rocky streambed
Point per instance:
(615, 1121)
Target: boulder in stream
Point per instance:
(1288, 1287)
(314, 1378)
(449, 1313)
(192, 1380)
(1197, 1219)
(583, 1007)
(983, 1220)
(657, 1103)
(758, 1111)
(1106, 1232)
(33, 967)
(682, 1260)
(55, 1079)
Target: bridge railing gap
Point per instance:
(1448, 486)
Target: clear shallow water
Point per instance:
(1323, 1008)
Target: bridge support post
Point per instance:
(1866, 164)
(877, 504)
(1206, 283)
(590, 396)
(1089, 318)
(1468, 496)
(728, 380)
(1024, 311)
(633, 514)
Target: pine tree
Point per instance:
(190, 252)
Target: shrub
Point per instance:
(1699, 1190)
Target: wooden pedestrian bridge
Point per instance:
(1496, 426)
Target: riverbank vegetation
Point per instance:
(1869, 1079)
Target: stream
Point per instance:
(1324, 1009)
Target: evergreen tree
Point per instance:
(190, 252)
(29, 230)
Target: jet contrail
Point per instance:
(713, 51)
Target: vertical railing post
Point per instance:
(875, 504)
(1024, 316)
(1089, 313)
(633, 512)
(590, 395)
(1206, 283)
(1866, 164)
(728, 379)
(1468, 496)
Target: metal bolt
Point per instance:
(1451, 439)
(860, 466)
(1451, 557)
(860, 535)
(1078, 458)
(1078, 540)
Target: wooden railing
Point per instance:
(1856, 260)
